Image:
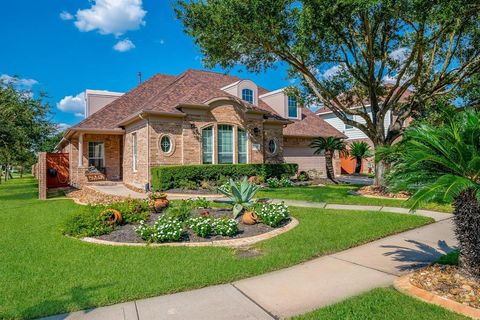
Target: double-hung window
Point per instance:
(292, 107)
(242, 146)
(96, 154)
(247, 95)
(225, 143)
(207, 145)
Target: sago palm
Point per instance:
(328, 146)
(359, 150)
(443, 164)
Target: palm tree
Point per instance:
(328, 146)
(359, 151)
(442, 163)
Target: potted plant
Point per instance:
(111, 216)
(158, 201)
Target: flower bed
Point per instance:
(188, 221)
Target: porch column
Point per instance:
(80, 150)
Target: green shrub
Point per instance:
(169, 177)
(202, 203)
(272, 214)
(282, 183)
(187, 184)
(181, 210)
(225, 227)
(303, 176)
(449, 258)
(202, 226)
(165, 229)
(87, 222)
(132, 210)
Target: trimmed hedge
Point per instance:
(167, 177)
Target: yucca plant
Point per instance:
(359, 150)
(240, 195)
(442, 163)
(328, 146)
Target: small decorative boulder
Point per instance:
(249, 218)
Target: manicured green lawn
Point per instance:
(381, 304)
(43, 272)
(338, 194)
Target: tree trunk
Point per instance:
(380, 169)
(358, 165)
(329, 166)
(467, 229)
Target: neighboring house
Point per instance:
(354, 134)
(97, 99)
(198, 117)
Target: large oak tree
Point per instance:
(345, 52)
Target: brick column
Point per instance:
(42, 175)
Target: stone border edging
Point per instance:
(355, 193)
(235, 243)
(403, 285)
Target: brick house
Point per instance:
(198, 117)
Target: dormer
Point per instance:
(246, 90)
(285, 105)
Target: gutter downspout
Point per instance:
(147, 186)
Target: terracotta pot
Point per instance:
(249, 217)
(112, 216)
(160, 204)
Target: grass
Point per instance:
(43, 272)
(378, 304)
(339, 194)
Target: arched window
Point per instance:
(242, 142)
(225, 143)
(247, 95)
(292, 107)
(207, 145)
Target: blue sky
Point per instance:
(63, 47)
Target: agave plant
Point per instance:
(240, 194)
(442, 163)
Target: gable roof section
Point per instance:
(164, 94)
(311, 126)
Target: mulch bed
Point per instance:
(448, 282)
(382, 192)
(126, 233)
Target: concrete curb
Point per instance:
(403, 285)
(235, 243)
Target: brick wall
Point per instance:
(137, 178)
(42, 175)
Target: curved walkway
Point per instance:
(301, 288)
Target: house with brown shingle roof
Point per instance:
(197, 117)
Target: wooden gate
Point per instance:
(57, 170)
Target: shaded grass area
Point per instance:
(44, 272)
(385, 303)
(339, 194)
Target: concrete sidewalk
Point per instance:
(297, 289)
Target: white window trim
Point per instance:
(103, 153)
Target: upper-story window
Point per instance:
(292, 107)
(350, 117)
(247, 95)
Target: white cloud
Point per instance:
(400, 54)
(124, 45)
(62, 126)
(73, 104)
(19, 82)
(332, 71)
(111, 16)
(64, 15)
